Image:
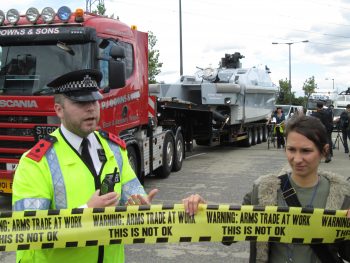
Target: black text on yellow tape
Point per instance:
(169, 224)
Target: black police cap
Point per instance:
(80, 85)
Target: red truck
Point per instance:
(36, 48)
(157, 122)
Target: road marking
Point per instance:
(195, 155)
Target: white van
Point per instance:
(290, 110)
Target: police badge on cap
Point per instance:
(80, 85)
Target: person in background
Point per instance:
(306, 145)
(280, 122)
(66, 169)
(344, 121)
(327, 120)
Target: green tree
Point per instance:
(154, 65)
(284, 97)
(101, 10)
(309, 87)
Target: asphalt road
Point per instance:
(220, 175)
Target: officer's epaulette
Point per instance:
(42, 146)
(112, 137)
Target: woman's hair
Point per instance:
(310, 127)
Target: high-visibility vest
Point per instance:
(61, 180)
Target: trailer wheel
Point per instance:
(249, 141)
(178, 152)
(265, 133)
(167, 157)
(133, 160)
(260, 135)
(255, 135)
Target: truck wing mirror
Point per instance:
(116, 68)
(116, 75)
(117, 52)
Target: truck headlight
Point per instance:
(48, 15)
(32, 15)
(12, 16)
(64, 13)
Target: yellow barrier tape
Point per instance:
(169, 224)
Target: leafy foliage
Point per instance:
(309, 86)
(154, 65)
(101, 9)
(284, 96)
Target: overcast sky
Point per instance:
(211, 28)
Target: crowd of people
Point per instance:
(68, 168)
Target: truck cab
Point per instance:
(36, 48)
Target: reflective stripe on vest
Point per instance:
(60, 194)
(32, 204)
(117, 155)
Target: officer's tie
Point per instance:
(86, 157)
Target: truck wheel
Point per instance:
(133, 160)
(249, 141)
(265, 132)
(178, 152)
(167, 157)
(260, 135)
(255, 135)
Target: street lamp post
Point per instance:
(290, 63)
(332, 81)
(180, 20)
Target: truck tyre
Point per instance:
(167, 157)
(260, 135)
(249, 141)
(265, 132)
(178, 152)
(133, 160)
(255, 135)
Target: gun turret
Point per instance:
(231, 60)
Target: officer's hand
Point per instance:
(142, 200)
(109, 199)
(191, 204)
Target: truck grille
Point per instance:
(23, 119)
(16, 144)
(25, 128)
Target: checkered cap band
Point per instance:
(87, 84)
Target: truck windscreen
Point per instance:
(26, 69)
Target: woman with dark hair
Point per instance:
(280, 119)
(306, 145)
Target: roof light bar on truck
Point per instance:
(48, 15)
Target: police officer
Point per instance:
(66, 169)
